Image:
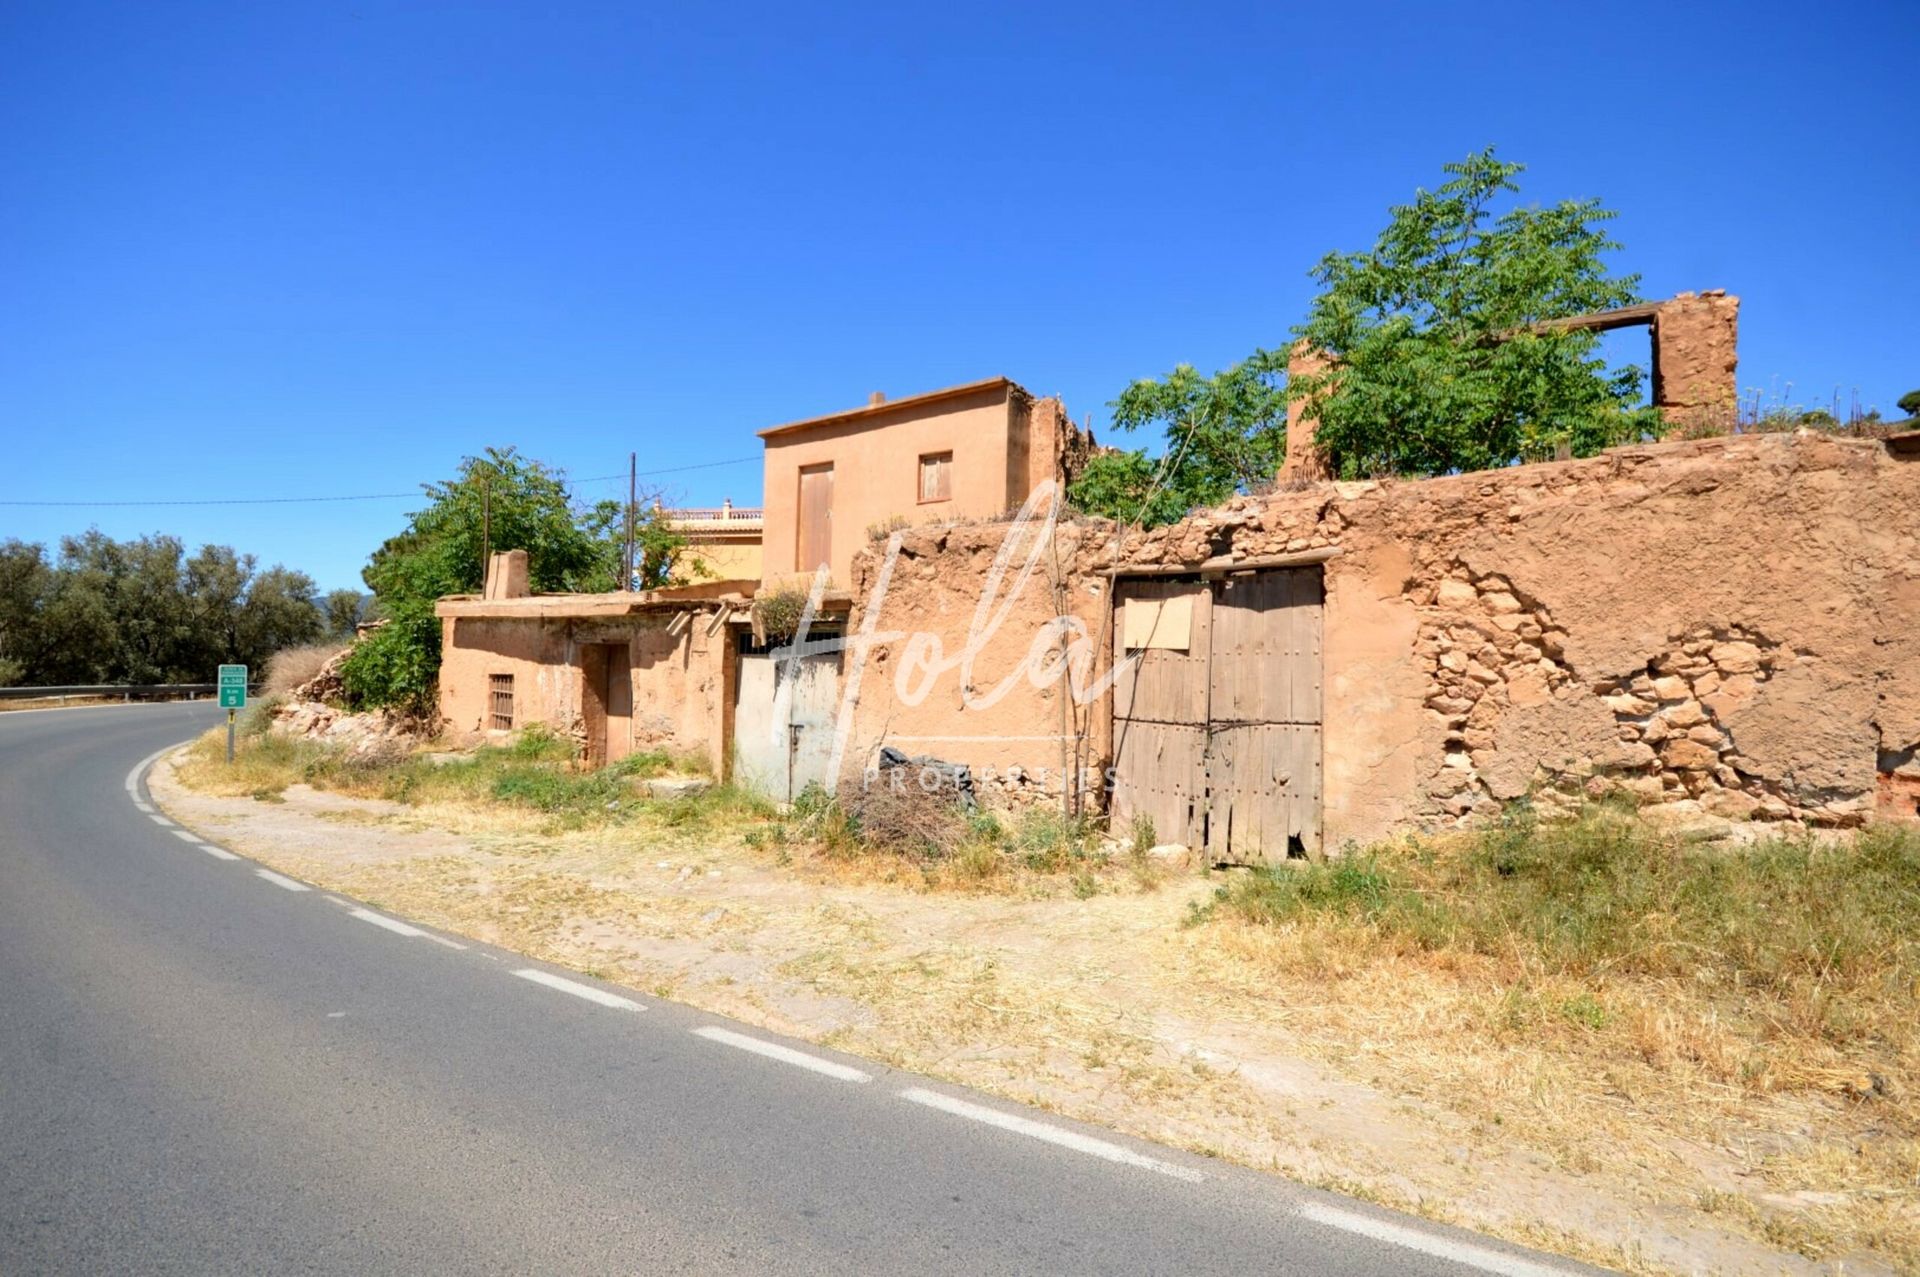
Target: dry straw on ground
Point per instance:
(1647, 1052)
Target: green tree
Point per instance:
(1437, 360)
(26, 579)
(497, 501)
(141, 611)
(343, 611)
(1223, 434)
(280, 610)
(1909, 403)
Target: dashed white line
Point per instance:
(578, 990)
(1490, 1261)
(141, 804)
(187, 835)
(162, 821)
(1051, 1134)
(785, 1054)
(394, 925)
(281, 880)
(218, 853)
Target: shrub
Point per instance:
(257, 718)
(398, 664)
(776, 614)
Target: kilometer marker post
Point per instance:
(233, 698)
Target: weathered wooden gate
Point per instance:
(1216, 727)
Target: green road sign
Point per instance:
(233, 687)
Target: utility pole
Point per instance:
(486, 531)
(633, 477)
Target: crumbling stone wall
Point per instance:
(979, 688)
(1726, 628)
(1056, 448)
(1729, 626)
(1695, 354)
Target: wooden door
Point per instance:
(1217, 720)
(1263, 717)
(619, 702)
(816, 518)
(1160, 708)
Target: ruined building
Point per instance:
(1720, 629)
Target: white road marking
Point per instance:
(394, 925)
(1051, 1134)
(218, 853)
(281, 880)
(785, 1054)
(162, 821)
(1490, 1261)
(140, 769)
(578, 990)
(141, 804)
(185, 835)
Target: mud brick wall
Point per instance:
(1726, 628)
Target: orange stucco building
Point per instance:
(965, 452)
(672, 667)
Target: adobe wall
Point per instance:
(1730, 626)
(546, 675)
(1056, 449)
(1696, 352)
(1004, 712)
(679, 680)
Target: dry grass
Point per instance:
(292, 666)
(1611, 995)
(534, 785)
(1560, 1034)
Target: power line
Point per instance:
(363, 496)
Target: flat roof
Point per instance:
(537, 607)
(888, 405)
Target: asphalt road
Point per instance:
(206, 1069)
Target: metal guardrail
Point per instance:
(126, 691)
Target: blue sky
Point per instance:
(314, 250)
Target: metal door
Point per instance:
(785, 710)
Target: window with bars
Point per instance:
(936, 476)
(500, 688)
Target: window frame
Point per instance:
(496, 685)
(945, 472)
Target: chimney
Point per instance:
(507, 576)
(875, 399)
